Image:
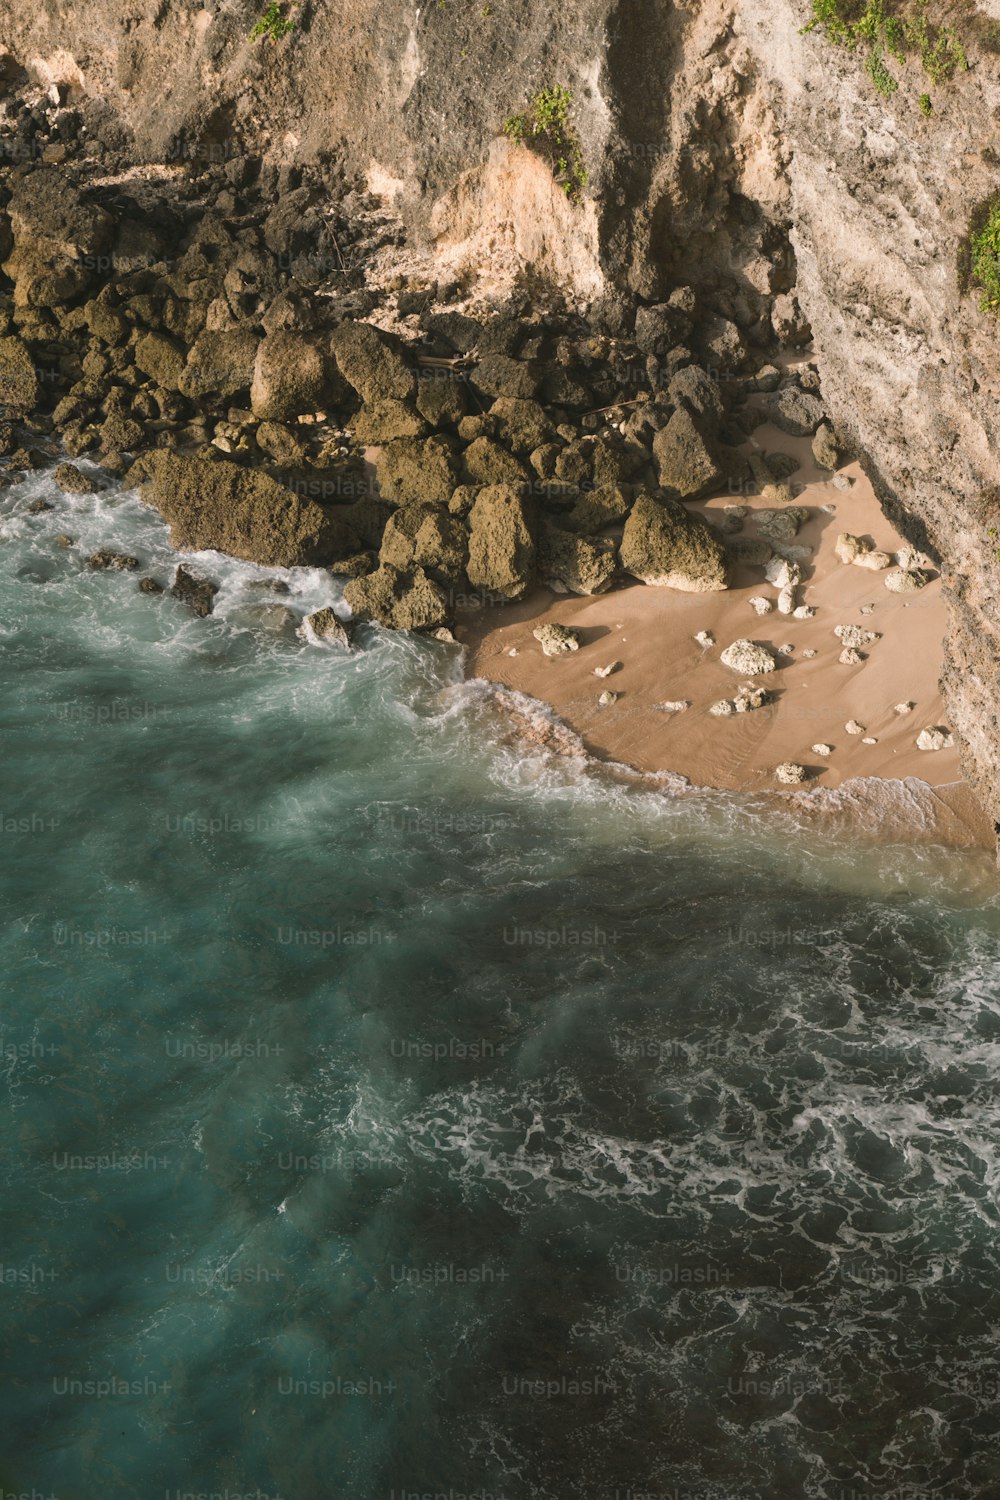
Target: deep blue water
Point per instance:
(393, 1111)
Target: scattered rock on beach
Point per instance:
(760, 605)
(790, 774)
(904, 708)
(937, 738)
(614, 666)
(850, 657)
(853, 727)
(557, 640)
(747, 658)
(905, 580)
(822, 749)
(855, 635)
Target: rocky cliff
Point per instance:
(726, 148)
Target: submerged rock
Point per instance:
(199, 593)
(118, 562)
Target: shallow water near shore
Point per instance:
(394, 1110)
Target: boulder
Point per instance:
(425, 536)
(522, 425)
(199, 593)
(324, 626)
(663, 545)
(825, 449)
(244, 513)
(219, 366)
(487, 463)
(694, 389)
(441, 398)
(291, 378)
(502, 542)
(500, 375)
(19, 386)
(72, 482)
(747, 658)
(60, 238)
(689, 464)
(660, 328)
(557, 640)
(400, 600)
(935, 739)
(790, 774)
(281, 444)
(607, 505)
(161, 359)
(417, 469)
(372, 363)
(906, 580)
(572, 564)
(795, 411)
(386, 421)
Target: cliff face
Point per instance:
(725, 148)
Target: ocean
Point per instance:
(396, 1110)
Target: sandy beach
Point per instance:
(651, 632)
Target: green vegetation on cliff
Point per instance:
(979, 255)
(892, 30)
(546, 127)
(272, 25)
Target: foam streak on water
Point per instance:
(391, 1110)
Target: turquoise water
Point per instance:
(392, 1111)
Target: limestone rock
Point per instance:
(372, 363)
(219, 366)
(937, 738)
(162, 359)
(557, 640)
(19, 385)
(417, 469)
(689, 464)
(904, 708)
(790, 774)
(614, 666)
(856, 635)
(905, 580)
(750, 551)
(606, 505)
(522, 425)
(853, 727)
(849, 657)
(400, 600)
(245, 513)
(824, 447)
(324, 626)
(502, 528)
(760, 605)
(676, 707)
(291, 376)
(747, 658)
(607, 698)
(665, 546)
(795, 411)
(486, 462)
(118, 562)
(783, 574)
(428, 537)
(575, 564)
(822, 749)
(72, 481)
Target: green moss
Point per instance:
(546, 127)
(272, 25)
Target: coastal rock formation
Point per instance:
(664, 545)
(402, 600)
(502, 527)
(243, 512)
